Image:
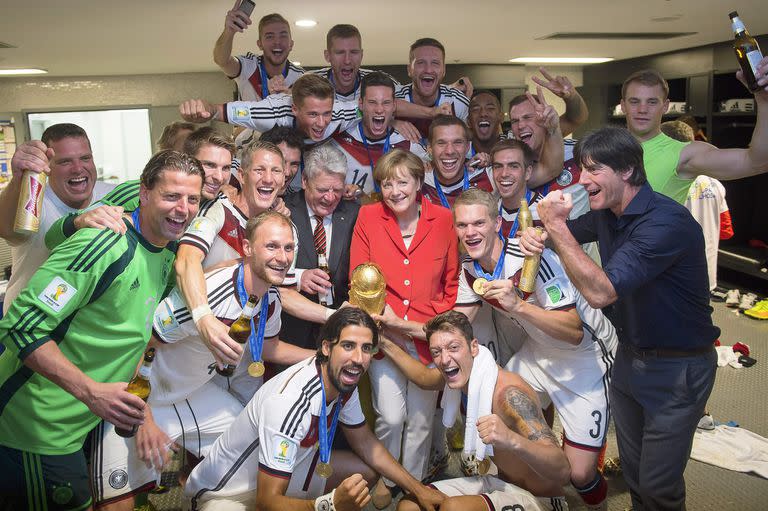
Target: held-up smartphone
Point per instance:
(247, 6)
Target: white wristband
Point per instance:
(325, 502)
(329, 313)
(200, 312)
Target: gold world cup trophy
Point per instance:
(368, 288)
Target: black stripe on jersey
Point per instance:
(294, 67)
(207, 206)
(114, 270)
(123, 193)
(607, 358)
(303, 410)
(270, 112)
(195, 241)
(19, 330)
(276, 473)
(96, 459)
(545, 270)
(228, 474)
(456, 94)
(95, 242)
(197, 428)
(13, 384)
(403, 93)
(344, 115)
(514, 250)
(311, 388)
(107, 246)
(25, 336)
(466, 258)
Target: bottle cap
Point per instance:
(733, 14)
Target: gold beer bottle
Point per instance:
(529, 271)
(524, 217)
(747, 51)
(325, 298)
(29, 207)
(240, 330)
(139, 386)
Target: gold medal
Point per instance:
(483, 466)
(324, 470)
(256, 369)
(478, 286)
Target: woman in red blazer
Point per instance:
(415, 244)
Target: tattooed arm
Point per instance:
(523, 432)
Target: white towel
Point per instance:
(482, 382)
(736, 449)
(726, 356)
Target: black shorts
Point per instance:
(37, 482)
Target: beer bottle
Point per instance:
(324, 297)
(29, 207)
(139, 386)
(529, 271)
(747, 51)
(524, 217)
(240, 330)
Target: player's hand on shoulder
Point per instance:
(464, 84)
(407, 130)
(277, 84)
(114, 404)
(32, 155)
(351, 494)
(216, 337)
(102, 217)
(280, 207)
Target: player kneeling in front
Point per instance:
(278, 451)
(504, 420)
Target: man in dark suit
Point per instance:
(324, 223)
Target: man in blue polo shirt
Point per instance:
(653, 286)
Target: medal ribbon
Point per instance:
(135, 218)
(516, 224)
(325, 436)
(439, 188)
(265, 78)
(256, 338)
(376, 187)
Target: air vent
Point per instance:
(636, 36)
(6, 45)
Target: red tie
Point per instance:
(319, 235)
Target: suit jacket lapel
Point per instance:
(339, 244)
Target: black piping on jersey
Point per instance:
(608, 358)
(344, 115)
(197, 242)
(27, 322)
(123, 193)
(228, 474)
(97, 461)
(556, 503)
(104, 237)
(181, 427)
(300, 407)
(197, 428)
(209, 204)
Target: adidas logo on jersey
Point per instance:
(135, 284)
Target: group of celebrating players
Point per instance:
(273, 218)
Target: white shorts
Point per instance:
(239, 485)
(194, 424)
(502, 335)
(577, 384)
(500, 495)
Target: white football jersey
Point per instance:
(183, 363)
(249, 82)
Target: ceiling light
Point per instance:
(306, 23)
(11, 72)
(560, 60)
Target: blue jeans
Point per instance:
(656, 404)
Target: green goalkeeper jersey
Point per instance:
(95, 297)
